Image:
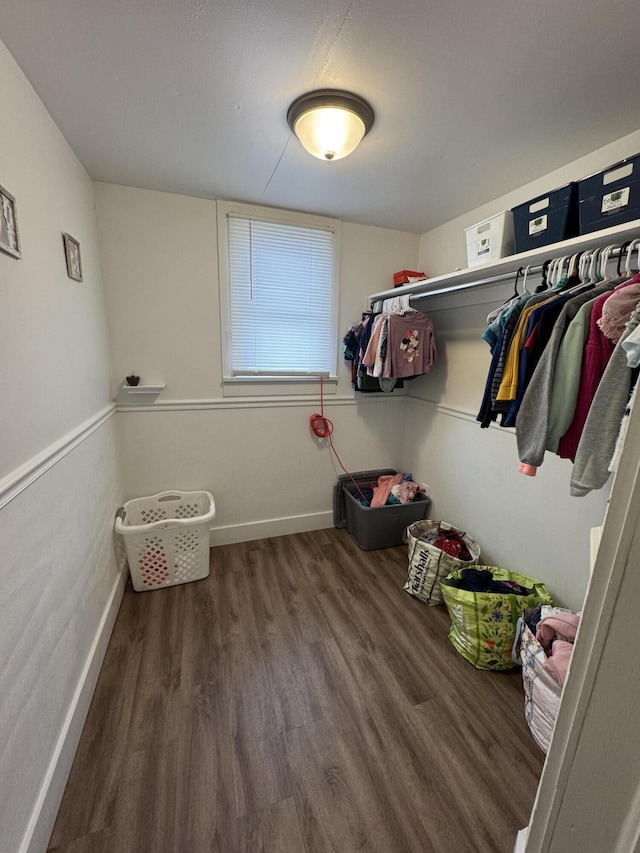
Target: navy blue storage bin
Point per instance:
(549, 218)
(610, 197)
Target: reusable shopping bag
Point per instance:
(541, 691)
(483, 624)
(428, 565)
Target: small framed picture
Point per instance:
(72, 252)
(9, 235)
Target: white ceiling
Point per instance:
(472, 97)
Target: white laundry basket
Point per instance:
(166, 537)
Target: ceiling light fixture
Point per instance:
(330, 123)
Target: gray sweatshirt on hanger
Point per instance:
(533, 416)
(600, 433)
(566, 379)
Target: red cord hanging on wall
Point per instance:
(322, 427)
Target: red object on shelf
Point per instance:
(402, 277)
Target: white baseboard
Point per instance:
(44, 813)
(231, 533)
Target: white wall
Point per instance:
(268, 473)
(59, 583)
(443, 249)
(527, 524)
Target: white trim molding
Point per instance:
(461, 414)
(521, 840)
(21, 478)
(46, 808)
(283, 402)
(232, 533)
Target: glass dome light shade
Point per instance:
(330, 123)
(329, 133)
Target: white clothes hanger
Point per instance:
(556, 271)
(551, 273)
(584, 260)
(593, 266)
(573, 262)
(578, 286)
(397, 304)
(561, 267)
(632, 245)
(604, 259)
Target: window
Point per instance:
(278, 284)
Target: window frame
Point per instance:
(265, 384)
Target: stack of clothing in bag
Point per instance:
(555, 629)
(391, 489)
(448, 540)
(482, 580)
(546, 645)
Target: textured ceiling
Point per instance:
(472, 97)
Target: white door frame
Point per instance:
(588, 799)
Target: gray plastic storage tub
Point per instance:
(378, 526)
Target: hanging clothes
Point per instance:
(534, 417)
(597, 443)
(613, 465)
(595, 357)
(389, 346)
(538, 334)
(508, 388)
(355, 344)
(563, 385)
(618, 309)
(597, 352)
(558, 370)
(507, 325)
(351, 340)
(631, 346)
(517, 350)
(411, 345)
(566, 377)
(373, 358)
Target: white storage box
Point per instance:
(490, 239)
(166, 537)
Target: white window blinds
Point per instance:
(281, 294)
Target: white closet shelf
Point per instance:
(507, 267)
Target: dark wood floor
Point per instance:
(296, 701)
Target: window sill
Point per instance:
(249, 386)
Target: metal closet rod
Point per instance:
(498, 277)
(508, 276)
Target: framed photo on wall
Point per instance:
(9, 235)
(72, 252)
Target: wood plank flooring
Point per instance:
(296, 701)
